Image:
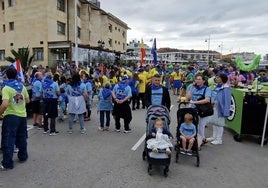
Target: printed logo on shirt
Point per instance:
(18, 99)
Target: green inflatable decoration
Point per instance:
(240, 64)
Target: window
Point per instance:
(124, 46)
(124, 34)
(38, 54)
(61, 5)
(115, 28)
(61, 28)
(110, 28)
(11, 26)
(115, 42)
(4, 28)
(78, 11)
(78, 32)
(119, 29)
(2, 55)
(110, 42)
(3, 5)
(11, 3)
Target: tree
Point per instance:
(23, 55)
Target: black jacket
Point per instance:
(165, 99)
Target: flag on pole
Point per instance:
(17, 65)
(154, 52)
(143, 52)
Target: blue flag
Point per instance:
(154, 52)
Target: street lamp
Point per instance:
(100, 46)
(208, 41)
(221, 47)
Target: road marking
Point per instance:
(171, 106)
(139, 142)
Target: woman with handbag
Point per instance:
(199, 94)
(222, 106)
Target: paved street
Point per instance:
(105, 159)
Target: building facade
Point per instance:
(49, 28)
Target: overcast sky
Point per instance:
(240, 25)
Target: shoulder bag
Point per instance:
(206, 109)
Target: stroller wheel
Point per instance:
(166, 171)
(177, 157)
(149, 169)
(144, 155)
(197, 161)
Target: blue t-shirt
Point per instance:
(122, 91)
(36, 89)
(50, 91)
(157, 95)
(188, 130)
(76, 90)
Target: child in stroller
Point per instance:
(158, 157)
(192, 143)
(161, 138)
(188, 132)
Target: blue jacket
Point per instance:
(223, 99)
(104, 104)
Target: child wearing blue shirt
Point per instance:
(63, 100)
(188, 132)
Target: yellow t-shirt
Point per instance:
(105, 79)
(113, 80)
(143, 82)
(177, 76)
(16, 101)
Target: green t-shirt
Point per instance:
(16, 101)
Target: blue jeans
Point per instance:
(80, 118)
(102, 114)
(14, 131)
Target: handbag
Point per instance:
(206, 109)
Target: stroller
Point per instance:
(180, 119)
(160, 158)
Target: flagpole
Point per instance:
(75, 34)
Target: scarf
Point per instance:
(106, 93)
(198, 87)
(46, 84)
(154, 87)
(15, 84)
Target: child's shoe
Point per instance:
(155, 150)
(183, 151)
(189, 152)
(168, 151)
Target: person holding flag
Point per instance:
(143, 53)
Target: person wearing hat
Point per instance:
(121, 94)
(157, 94)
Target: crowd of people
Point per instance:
(120, 91)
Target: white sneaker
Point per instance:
(83, 131)
(70, 131)
(216, 142)
(210, 139)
